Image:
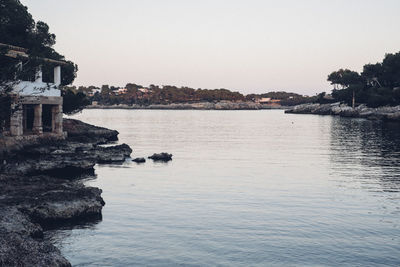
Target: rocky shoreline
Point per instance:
(41, 189)
(221, 105)
(338, 109)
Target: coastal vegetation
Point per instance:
(20, 31)
(134, 94)
(18, 28)
(74, 101)
(377, 85)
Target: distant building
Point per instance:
(267, 101)
(94, 91)
(144, 90)
(264, 100)
(121, 91)
(36, 106)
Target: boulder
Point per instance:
(161, 157)
(139, 160)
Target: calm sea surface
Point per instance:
(245, 188)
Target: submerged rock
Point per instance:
(139, 160)
(161, 157)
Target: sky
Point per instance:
(251, 46)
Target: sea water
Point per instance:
(244, 188)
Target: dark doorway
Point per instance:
(47, 118)
(5, 113)
(28, 118)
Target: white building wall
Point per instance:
(36, 88)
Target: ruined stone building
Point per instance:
(36, 106)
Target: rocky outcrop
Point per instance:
(40, 189)
(51, 201)
(19, 245)
(31, 204)
(11, 145)
(83, 132)
(79, 133)
(361, 111)
(76, 154)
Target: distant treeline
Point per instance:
(153, 94)
(377, 85)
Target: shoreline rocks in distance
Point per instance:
(338, 109)
(221, 105)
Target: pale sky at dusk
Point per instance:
(248, 46)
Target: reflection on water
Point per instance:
(368, 151)
(245, 188)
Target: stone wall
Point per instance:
(17, 117)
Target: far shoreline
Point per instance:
(384, 113)
(222, 105)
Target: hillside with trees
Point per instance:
(134, 94)
(377, 85)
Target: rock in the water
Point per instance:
(139, 160)
(161, 157)
(112, 153)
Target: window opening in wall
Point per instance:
(47, 118)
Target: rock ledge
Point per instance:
(40, 189)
